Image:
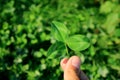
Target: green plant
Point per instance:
(25, 27)
(60, 33)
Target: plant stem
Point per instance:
(66, 49)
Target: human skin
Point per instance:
(71, 68)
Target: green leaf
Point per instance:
(25, 67)
(92, 50)
(103, 71)
(111, 22)
(117, 32)
(59, 31)
(56, 50)
(78, 42)
(106, 7)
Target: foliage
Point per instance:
(25, 37)
(74, 42)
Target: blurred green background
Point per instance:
(25, 37)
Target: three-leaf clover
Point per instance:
(63, 41)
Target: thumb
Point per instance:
(71, 71)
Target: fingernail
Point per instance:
(76, 63)
(65, 61)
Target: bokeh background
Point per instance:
(25, 37)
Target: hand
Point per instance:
(71, 68)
